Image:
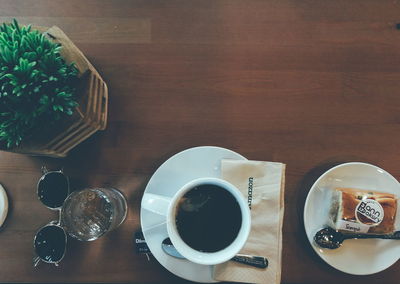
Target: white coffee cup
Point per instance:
(167, 207)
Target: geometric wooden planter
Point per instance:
(89, 117)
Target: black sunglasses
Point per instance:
(50, 241)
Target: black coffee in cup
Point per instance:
(208, 218)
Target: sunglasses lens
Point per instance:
(53, 189)
(50, 243)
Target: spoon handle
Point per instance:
(394, 236)
(256, 261)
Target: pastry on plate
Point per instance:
(363, 211)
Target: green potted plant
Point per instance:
(40, 89)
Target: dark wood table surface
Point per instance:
(307, 83)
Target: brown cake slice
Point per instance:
(343, 208)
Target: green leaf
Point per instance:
(16, 26)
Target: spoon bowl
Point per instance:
(328, 238)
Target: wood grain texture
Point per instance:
(307, 83)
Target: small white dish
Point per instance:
(178, 170)
(359, 257)
(3, 205)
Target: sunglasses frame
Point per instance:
(37, 259)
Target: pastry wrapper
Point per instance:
(363, 211)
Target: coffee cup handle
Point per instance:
(156, 203)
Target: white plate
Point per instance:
(170, 176)
(360, 257)
(3, 205)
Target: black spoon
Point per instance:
(332, 239)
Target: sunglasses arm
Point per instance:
(36, 261)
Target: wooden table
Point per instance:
(307, 83)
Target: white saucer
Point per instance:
(359, 257)
(3, 205)
(169, 177)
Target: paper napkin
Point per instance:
(262, 184)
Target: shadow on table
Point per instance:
(302, 191)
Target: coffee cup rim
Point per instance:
(209, 258)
